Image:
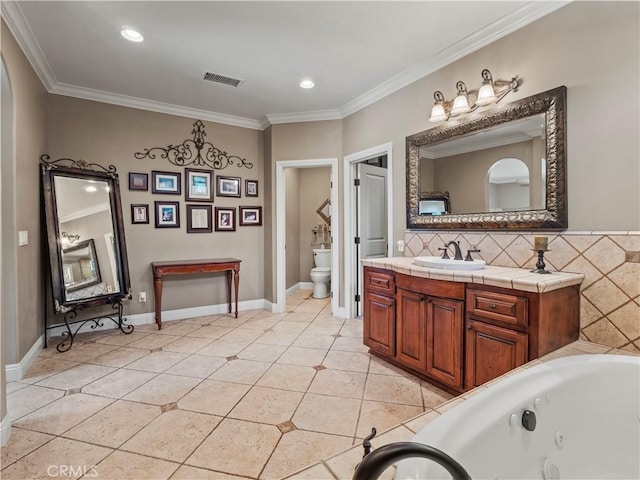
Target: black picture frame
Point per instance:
(250, 216)
(199, 218)
(138, 181)
(139, 213)
(225, 219)
(251, 188)
(198, 185)
(227, 186)
(166, 182)
(167, 214)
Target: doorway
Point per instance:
(281, 229)
(368, 194)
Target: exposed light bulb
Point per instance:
(307, 84)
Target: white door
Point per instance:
(372, 218)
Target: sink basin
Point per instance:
(449, 263)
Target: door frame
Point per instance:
(350, 254)
(281, 258)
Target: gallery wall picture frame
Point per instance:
(167, 214)
(139, 213)
(225, 220)
(198, 185)
(250, 216)
(138, 181)
(227, 186)
(250, 188)
(166, 182)
(199, 218)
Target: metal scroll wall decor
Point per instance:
(196, 151)
(75, 192)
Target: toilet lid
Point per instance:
(320, 269)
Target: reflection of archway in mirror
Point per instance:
(507, 186)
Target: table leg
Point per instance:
(229, 275)
(236, 281)
(157, 288)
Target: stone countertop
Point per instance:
(506, 277)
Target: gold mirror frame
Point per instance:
(553, 104)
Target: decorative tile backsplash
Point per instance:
(610, 261)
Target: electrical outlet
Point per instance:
(400, 245)
(142, 297)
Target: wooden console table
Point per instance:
(160, 269)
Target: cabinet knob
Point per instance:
(492, 305)
(469, 327)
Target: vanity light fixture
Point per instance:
(90, 189)
(307, 83)
(131, 34)
(491, 91)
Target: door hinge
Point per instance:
(357, 297)
(330, 294)
(330, 184)
(356, 182)
(356, 240)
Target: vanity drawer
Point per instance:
(380, 282)
(498, 306)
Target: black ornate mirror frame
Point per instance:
(70, 308)
(553, 104)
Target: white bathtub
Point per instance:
(587, 409)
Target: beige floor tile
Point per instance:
(58, 452)
(222, 348)
(157, 362)
(206, 320)
(321, 413)
(198, 366)
(316, 472)
(124, 339)
(308, 340)
(309, 306)
(300, 317)
(115, 424)
(64, 413)
(288, 377)
(298, 449)
(86, 352)
(213, 397)
(29, 399)
(383, 416)
(12, 387)
(119, 383)
(323, 329)
(226, 449)
(349, 344)
(45, 367)
(380, 367)
(230, 321)
(267, 405)
(278, 338)
(120, 357)
(163, 389)
(421, 421)
(260, 323)
(153, 341)
(187, 344)
(288, 326)
(262, 352)
(174, 435)
(210, 331)
(393, 389)
(351, 331)
(177, 328)
(240, 335)
(352, 361)
(309, 357)
(76, 377)
(433, 396)
(241, 371)
(21, 443)
(186, 472)
(339, 383)
(124, 465)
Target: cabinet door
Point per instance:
(492, 351)
(444, 340)
(380, 323)
(412, 343)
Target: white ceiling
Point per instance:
(355, 52)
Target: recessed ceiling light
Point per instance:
(90, 189)
(131, 34)
(307, 84)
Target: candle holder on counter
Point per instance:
(540, 263)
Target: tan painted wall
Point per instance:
(315, 188)
(109, 134)
(268, 220)
(593, 49)
(292, 226)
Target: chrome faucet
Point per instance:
(456, 247)
(381, 458)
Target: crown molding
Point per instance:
(509, 23)
(153, 106)
(313, 116)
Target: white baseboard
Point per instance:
(341, 312)
(5, 430)
(169, 315)
(299, 286)
(16, 371)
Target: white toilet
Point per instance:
(321, 274)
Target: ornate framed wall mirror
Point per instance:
(503, 168)
(86, 244)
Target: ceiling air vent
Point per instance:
(216, 78)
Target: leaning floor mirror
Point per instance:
(86, 245)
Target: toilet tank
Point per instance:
(322, 257)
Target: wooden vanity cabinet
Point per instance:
(460, 335)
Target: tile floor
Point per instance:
(258, 397)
